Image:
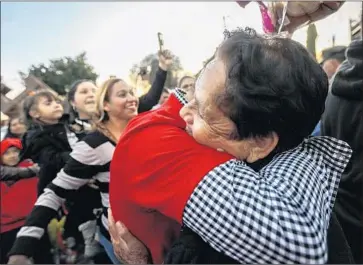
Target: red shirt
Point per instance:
(17, 200)
(154, 170)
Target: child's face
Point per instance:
(11, 157)
(48, 110)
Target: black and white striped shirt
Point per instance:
(90, 159)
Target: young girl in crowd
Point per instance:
(90, 159)
(49, 142)
(81, 217)
(18, 195)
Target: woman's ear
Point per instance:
(106, 107)
(262, 146)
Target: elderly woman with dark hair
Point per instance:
(249, 181)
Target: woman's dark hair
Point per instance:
(273, 84)
(9, 133)
(31, 102)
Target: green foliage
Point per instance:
(59, 74)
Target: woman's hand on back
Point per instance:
(126, 246)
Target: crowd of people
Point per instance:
(256, 159)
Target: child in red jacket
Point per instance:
(18, 192)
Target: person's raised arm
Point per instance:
(151, 98)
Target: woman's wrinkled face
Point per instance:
(205, 121)
(11, 157)
(17, 127)
(123, 103)
(84, 98)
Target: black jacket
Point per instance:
(151, 98)
(48, 147)
(343, 119)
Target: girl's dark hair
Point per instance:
(31, 102)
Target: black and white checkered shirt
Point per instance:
(279, 214)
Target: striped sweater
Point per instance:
(90, 159)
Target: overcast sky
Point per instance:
(116, 35)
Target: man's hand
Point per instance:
(19, 259)
(126, 246)
(165, 60)
(302, 13)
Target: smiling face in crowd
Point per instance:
(122, 101)
(84, 98)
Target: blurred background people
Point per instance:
(16, 128)
(343, 119)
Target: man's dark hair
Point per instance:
(273, 84)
